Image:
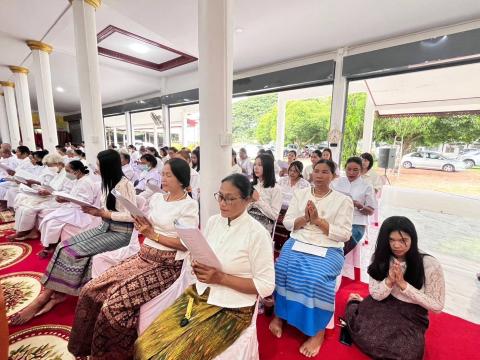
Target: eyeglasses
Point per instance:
(220, 197)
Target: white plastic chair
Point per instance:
(104, 261)
(244, 348)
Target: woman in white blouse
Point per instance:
(294, 181)
(106, 318)
(404, 285)
(315, 156)
(68, 213)
(310, 261)
(149, 174)
(236, 169)
(267, 196)
(30, 203)
(368, 173)
(222, 301)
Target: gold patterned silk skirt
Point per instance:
(209, 332)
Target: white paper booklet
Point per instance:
(132, 209)
(198, 246)
(73, 199)
(154, 188)
(309, 249)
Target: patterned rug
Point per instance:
(7, 216)
(20, 289)
(12, 253)
(46, 342)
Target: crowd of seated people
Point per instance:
(324, 215)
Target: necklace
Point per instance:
(180, 198)
(322, 196)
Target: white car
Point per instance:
(471, 158)
(431, 160)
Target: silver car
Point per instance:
(471, 158)
(431, 160)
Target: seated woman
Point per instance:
(236, 169)
(152, 151)
(70, 267)
(223, 301)
(315, 156)
(149, 174)
(107, 312)
(291, 157)
(368, 173)
(67, 213)
(327, 155)
(266, 197)
(363, 197)
(310, 261)
(404, 285)
(294, 181)
(29, 205)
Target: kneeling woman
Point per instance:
(106, 318)
(223, 301)
(320, 221)
(404, 285)
(70, 267)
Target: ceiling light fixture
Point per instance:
(239, 30)
(139, 48)
(60, 89)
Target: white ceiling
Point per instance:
(273, 31)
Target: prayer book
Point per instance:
(195, 242)
(74, 199)
(309, 249)
(132, 209)
(154, 188)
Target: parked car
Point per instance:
(290, 147)
(471, 158)
(431, 160)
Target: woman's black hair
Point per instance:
(23, 149)
(125, 156)
(78, 152)
(331, 165)
(268, 171)
(270, 152)
(292, 151)
(329, 151)
(163, 151)
(298, 165)
(354, 159)
(111, 173)
(77, 165)
(155, 152)
(234, 155)
(241, 182)
(318, 152)
(40, 154)
(378, 269)
(150, 159)
(369, 158)
(181, 170)
(196, 152)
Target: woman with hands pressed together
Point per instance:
(404, 285)
(320, 221)
(211, 314)
(70, 267)
(107, 313)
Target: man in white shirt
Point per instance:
(245, 163)
(363, 196)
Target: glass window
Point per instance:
(115, 130)
(185, 126)
(148, 128)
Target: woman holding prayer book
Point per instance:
(222, 301)
(107, 314)
(320, 221)
(149, 174)
(70, 267)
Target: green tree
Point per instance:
(353, 131)
(452, 129)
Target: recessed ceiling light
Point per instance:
(60, 89)
(139, 48)
(239, 30)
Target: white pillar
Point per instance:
(24, 108)
(43, 89)
(11, 109)
(155, 137)
(166, 124)
(4, 131)
(115, 141)
(215, 40)
(368, 120)
(337, 119)
(128, 122)
(281, 110)
(86, 56)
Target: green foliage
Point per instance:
(353, 131)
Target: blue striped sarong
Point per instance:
(305, 287)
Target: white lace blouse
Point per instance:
(431, 296)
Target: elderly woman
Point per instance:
(30, 205)
(223, 299)
(320, 221)
(404, 285)
(149, 174)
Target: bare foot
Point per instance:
(355, 297)
(27, 314)
(55, 300)
(16, 235)
(276, 327)
(311, 347)
(34, 234)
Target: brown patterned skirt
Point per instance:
(388, 329)
(106, 318)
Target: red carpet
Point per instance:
(448, 337)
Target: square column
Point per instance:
(86, 56)
(215, 40)
(11, 109)
(281, 111)
(24, 108)
(43, 90)
(4, 131)
(368, 120)
(166, 125)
